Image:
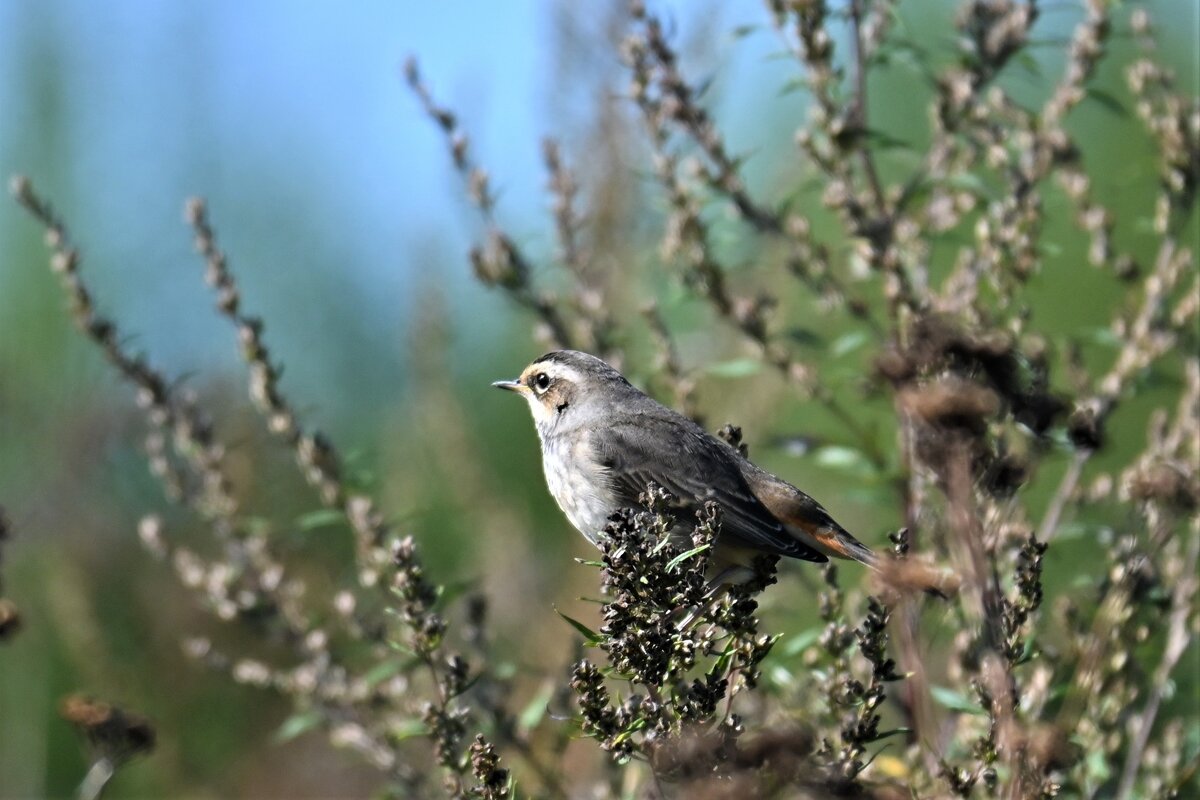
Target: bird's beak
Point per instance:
(512, 386)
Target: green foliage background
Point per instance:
(409, 398)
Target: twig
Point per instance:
(858, 112)
(97, 777)
(1048, 529)
(1179, 636)
(593, 313)
(380, 552)
(499, 262)
(191, 435)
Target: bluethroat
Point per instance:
(604, 442)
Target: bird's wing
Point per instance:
(804, 515)
(694, 467)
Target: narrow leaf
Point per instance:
(677, 560)
(847, 343)
(536, 710)
(1108, 102)
(735, 368)
(892, 732)
(844, 458)
(955, 701)
(381, 672)
(297, 725)
(589, 634)
(408, 729)
(321, 518)
(802, 641)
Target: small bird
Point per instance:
(604, 442)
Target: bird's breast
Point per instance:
(578, 483)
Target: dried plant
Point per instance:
(682, 650)
(113, 737)
(367, 706)
(998, 438)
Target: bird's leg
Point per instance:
(712, 595)
(713, 592)
(730, 679)
(688, 615)
(730, 576)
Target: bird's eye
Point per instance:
(541, 382)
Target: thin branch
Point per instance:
(1048, 529)
(1179, 636)
(499, 261)
(191, 435)
(858, 112)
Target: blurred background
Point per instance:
(348, 229)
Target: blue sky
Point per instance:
(278, 81)
(167, 99)
(159, 92)
(294, 120)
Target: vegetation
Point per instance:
(907, 304)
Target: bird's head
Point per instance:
(564, 383)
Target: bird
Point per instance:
(604, 442)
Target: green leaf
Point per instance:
(722, 662)
(381, 672)
(892, 732)
(968, 182)
(803, 336)
(1027, 653)
(1058, 437)
(802, 641)
(1070, 530)
(880, 140)
(781, 676)
(1103, 337)
(1097, 766)
(869, 495)
(660, 544)
(635, 726)
(258, 526)
(321, 518)
(408, 729)
(447, 593)
(590, 635)
(297, 725)
(770, 645)
(735, 368)
(1028, 62)
(955, 701)
(400, 647)
(1050, 42)
(535, 711)
(844, 458)
(847, 343)
(793, 85)
(677, 560)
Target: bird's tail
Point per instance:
(836, 541)
(909, 574)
